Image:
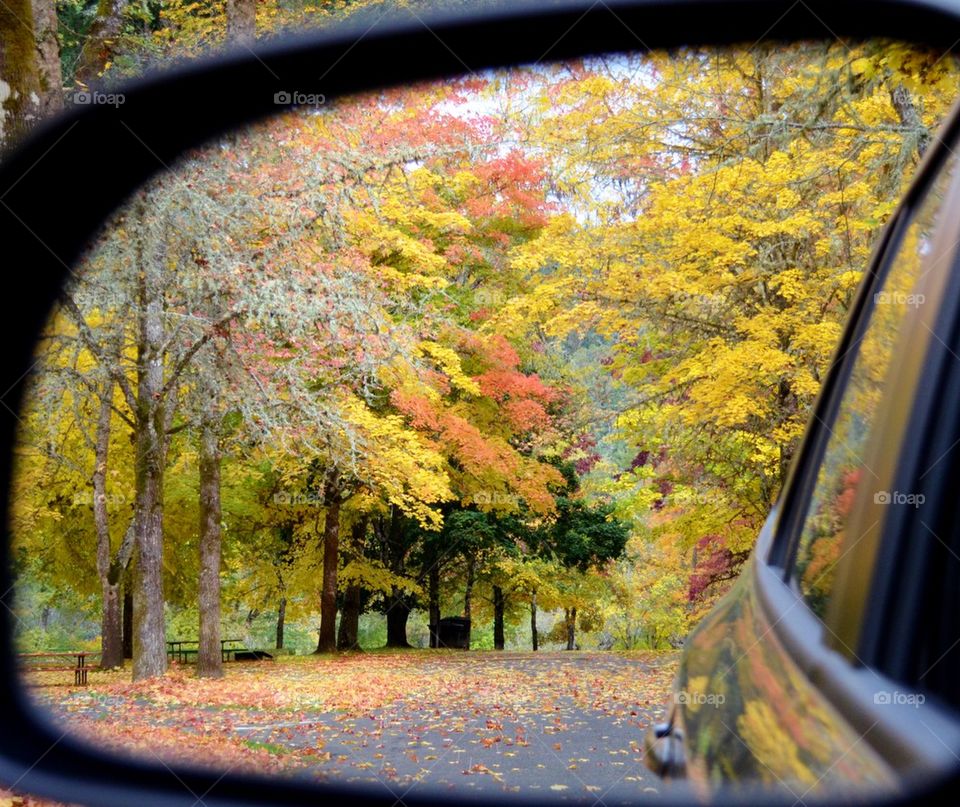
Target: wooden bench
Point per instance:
(47, 662)
(185, 651)
(178, 651)
(243, 653)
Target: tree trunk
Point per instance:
(434, 607)
(534, 636)
(468, 590)
(111, 639)
(19, 71)
(570, 617)
(906, 110)
(241, 22)
(397, 614)
(327, 642)
(209, 655)
(468, 595)
(281, 617)
(45, 28)
(149, 640)
(128, 617)
(101, 38)
(397, 608)
(350, 619)
(499, 604)
(347, 637)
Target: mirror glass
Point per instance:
(404, 439)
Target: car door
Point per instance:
(819, 670)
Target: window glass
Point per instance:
(843, 468)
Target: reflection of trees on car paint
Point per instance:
(771, 726)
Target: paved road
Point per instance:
(563, 726)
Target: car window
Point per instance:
(842, 469)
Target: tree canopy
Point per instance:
(537, 341)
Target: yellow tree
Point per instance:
(722, 209)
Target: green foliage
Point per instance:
(49, 617)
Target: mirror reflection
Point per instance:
(403, 439)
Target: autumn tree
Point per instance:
(100, 42)
(448, 346)
(732, 207)
(19, 71)
(50, 71)
(241, 22)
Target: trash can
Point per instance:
(454, 633)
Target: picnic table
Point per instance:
(186, 650)
(47, 661)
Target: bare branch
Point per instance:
(86, 334)
(194, 349)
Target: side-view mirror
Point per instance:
(369, 328)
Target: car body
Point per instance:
(831, 664)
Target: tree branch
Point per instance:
(86, 335)
(124, 553)
(194, 349)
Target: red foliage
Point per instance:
(586, 444)
(526, 415)
(848, 491)
(666, 488)
(715, 564)
(419, 409)
(503, 384)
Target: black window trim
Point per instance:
(932, 430)
(802, 478)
